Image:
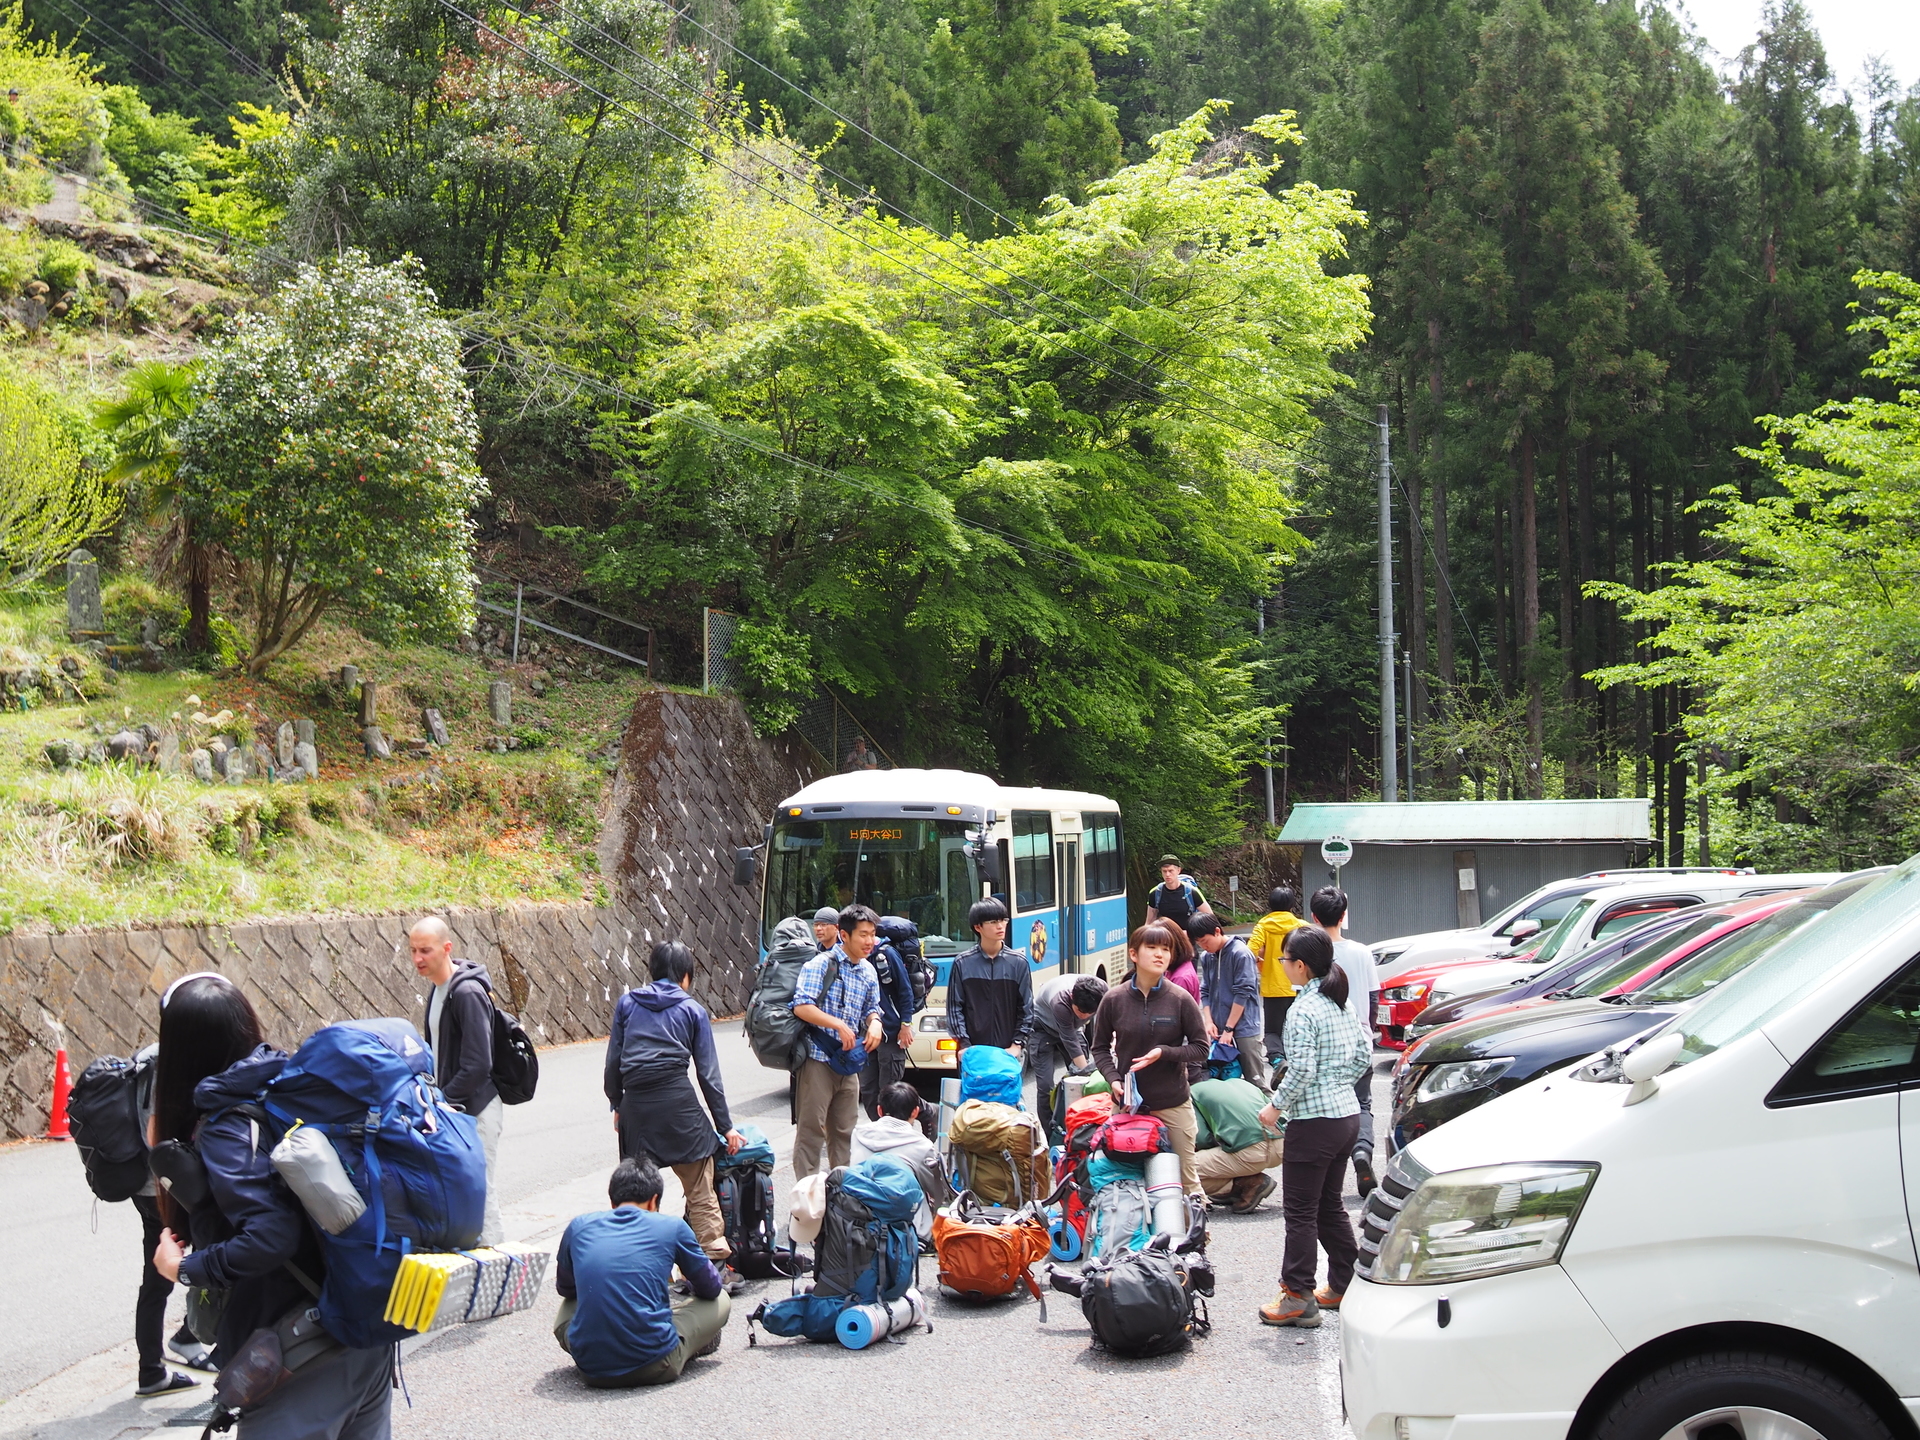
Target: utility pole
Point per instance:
(1389, 706)
(1260, 628)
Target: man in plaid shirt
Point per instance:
(837, 997)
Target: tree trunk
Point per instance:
(1502, 653)
(1416, 594)
(199, 558)
(1443, 598)
(1527, 580)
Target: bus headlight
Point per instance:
(933, 1024)
(1484, 1221)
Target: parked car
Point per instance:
(1465, 1065)
(1610, 909)
(1707, 1233)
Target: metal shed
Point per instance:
(1436, 864)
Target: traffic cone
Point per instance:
(57, 1127)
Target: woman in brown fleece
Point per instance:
(1152, 1029)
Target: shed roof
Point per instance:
(1540, 821)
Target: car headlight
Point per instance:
(1406, 992)
(1486, 1221)
(1439, 997)
(1465, 1075)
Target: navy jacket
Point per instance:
(896, 990)
(657, 1030)
(990, 1001)
(616, 1266)
(1231, 978)
(253, 1228)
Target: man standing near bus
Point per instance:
(990, 987)
(837, 998)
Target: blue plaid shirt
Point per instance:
(1327, 1050)
(853, 997)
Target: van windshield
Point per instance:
(1775, 980)
(1720, 961)
(1632, 962)
(1550, 947)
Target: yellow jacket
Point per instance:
(1269, 935)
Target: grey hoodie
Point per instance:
(905, 1142)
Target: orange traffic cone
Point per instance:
(57, 1127)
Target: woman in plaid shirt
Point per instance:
(1327, 1050)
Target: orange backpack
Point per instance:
(983, 1258)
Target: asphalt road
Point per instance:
(67, 1364)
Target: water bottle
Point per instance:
(1166, 1196)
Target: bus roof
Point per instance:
(940, 787)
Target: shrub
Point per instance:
(130, 599)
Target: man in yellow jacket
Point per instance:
(1269, 937)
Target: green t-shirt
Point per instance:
(1229, 1112)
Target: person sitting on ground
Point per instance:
(990, 987)
(1237, 1147)
(1230, 993)
(612, 1272)
(1268, 940)
(1176, 897)
(1062, 1011)
(898, 1133)
(1151, 1031)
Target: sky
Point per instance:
(1851, 29)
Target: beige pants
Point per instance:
(489, 1121)
(1183, 1128)
(698, 1321)
(826, 1108)
(1220, 1168)
(709, 1226)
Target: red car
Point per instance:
(1402, 1001)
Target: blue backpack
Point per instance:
(416, 1161)
(989, 1073)
(867, 1252)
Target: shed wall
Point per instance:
(1409, 889)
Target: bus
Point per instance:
(926, 844)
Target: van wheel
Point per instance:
(1740, 1396)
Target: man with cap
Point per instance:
(1176, 897)
(826, 927)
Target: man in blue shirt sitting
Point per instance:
(612, 1272)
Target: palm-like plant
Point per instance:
(145, 423)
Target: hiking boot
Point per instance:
(712, 1347)
(1363, 1180)
(168, 1382)
(731, 1279)
(1288, 1308)
(192, 1353)
(1259, 1188)
(1326, 1299)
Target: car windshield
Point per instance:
(1784, 973)
(1624, 967)
(1550, 946)
(1726, 957)
(1541, 905)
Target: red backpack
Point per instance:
(1133, 1135)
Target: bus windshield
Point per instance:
(916, 868)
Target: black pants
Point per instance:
(1363, 1092)
(150, 1309)
(886, 1064)
(1273, 1014)
(1312, 1175)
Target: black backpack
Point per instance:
(516, 1064)
(1141, 1303)
(104, 1110)
(745, 1193)
(904, 936)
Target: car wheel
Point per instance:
(1740, 1396)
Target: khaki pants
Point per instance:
(1183, 1128)
(826, 1108)
(1220, 1168)
(709, 1226)
(698, 1321)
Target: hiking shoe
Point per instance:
(1288, 1308)
(1259, 1190)
(171, 1381)
(732, 1279)
(1326, 1299)
(712, 1347)
(1363, 1180)
(193, 1354)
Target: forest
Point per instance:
(1010, 368)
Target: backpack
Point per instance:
(743, 1184)
(1140, 1304)
(1119, 1219)
(1133, 1135)
(867, 1249)
(984, 1257)
(1084, 1119)
(777, 1037)
(104, 1111)
(1005, 1149)
(989, 1073)
(516, 1064)
(904, 937)
(416, 1162)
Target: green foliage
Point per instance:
(127, 600)
(332, 451)
(63, 265)
(1801, 639)
(63, 112)
(50, 501)
(159, 154)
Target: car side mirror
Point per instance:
(746, 865)
(1651, 1059)
(1523, 930)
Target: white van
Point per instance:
(1705, 1237)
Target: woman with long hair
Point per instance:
(255, 1256)
(1327, 1050)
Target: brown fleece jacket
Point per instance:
(1128, 1024)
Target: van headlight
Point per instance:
(1466, 1075)
(1485, 1221)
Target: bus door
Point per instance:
(1073, 937)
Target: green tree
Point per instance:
(332, 453)
(50, 501)
(144, 425)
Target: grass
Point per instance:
(110, 844)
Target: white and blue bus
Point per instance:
(926, 844)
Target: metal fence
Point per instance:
(718, 670)
(517, 599)
(839, 739)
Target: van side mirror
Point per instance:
(986, 855)
(1653, 1058)
(1523, 930)
(746, 865)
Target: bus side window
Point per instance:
(1032, 859)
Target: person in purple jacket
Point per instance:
(657, 1030)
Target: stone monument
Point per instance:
(84, 615)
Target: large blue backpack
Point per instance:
(416, 1161)
(867, 1251)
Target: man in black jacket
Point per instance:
(459, 1031)
(990, 987)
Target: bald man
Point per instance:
(459, 1031)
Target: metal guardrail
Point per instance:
(518, 611)
(826, 725)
